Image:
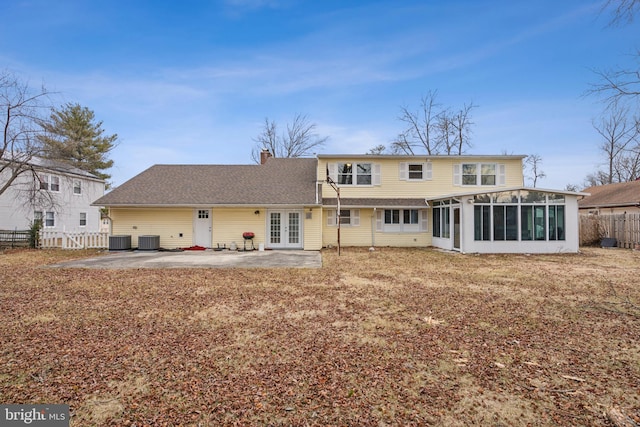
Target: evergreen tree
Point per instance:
(73, 135)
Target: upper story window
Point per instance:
(354, 173)
(488, 174)
(364, 174)
(49, 182)
(77, 186)
(415, 171)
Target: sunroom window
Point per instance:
(531, 215)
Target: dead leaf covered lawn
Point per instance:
(396, 336)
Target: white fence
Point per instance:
(69, 240)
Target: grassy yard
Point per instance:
(393, 337)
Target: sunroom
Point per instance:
(512, 220)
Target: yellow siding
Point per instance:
(393, 187)
(313, 229)
(165, 222)
(365, 234)
(230, 223)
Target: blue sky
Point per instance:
(192, 81)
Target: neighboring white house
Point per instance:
(65, 194)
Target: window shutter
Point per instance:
(502, 172)
(427, 171)
(376, 174)
(355, 217)
(457, 174)
(379, 220)
(423, 219)
(404, 171)
(333, 171)
(331, 217)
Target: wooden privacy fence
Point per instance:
(625, 228)
(77, 240)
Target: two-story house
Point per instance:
(462, 203)
(55, 193)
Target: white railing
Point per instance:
(73, 240)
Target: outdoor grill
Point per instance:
(248, 237)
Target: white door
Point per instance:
(202, 228)
(284, 230)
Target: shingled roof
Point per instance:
(612, 195)
(277, 182)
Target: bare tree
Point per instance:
(434, 130)
(299, 140)
(21, 119)
(461, 122)
(533, 163)
(620, 85)
(419, 133)
(377, 150)
(619, 137)
(446, 132)
(623, 10)
(596, 178)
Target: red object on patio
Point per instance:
(248, 235)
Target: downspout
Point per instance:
(373, 228)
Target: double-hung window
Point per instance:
(485, 174)
(49, 182)
(44, 182)
(83, 219)
(50, 219)
(348, 217)
(354, 173)
(415, 171)
(77, 186)
(364, 174)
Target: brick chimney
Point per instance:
(264, 155)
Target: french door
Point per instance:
(284, 229)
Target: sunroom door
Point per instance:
(284, 229)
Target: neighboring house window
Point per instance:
(49, 182)
(44, 182)
(441, 219)
(83, 219)
(364, 174)
(54, 184)
(486, 174)
(77, 187)
(350, 217)
(415, 171)
(402, 220)
(527, 216)
(50, 219)
(37, 216)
